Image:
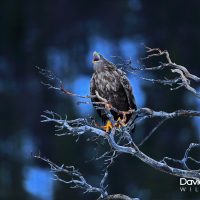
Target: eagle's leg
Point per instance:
(108, 126)
(120, 122)
(124, 117)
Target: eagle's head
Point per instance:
(98, 60)
(96, 56)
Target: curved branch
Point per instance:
(76, 179)
(132, 148)
(161, 166)
(183, 79)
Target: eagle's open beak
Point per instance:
(96, 57)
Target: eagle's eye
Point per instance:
(96, 57)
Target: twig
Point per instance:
(76, 179)
(183, 80)
(152, 131)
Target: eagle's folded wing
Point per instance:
(128, 90)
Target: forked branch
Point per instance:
(132, 148)
(120, 139)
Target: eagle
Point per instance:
(110, 84)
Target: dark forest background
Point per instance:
(61, 36)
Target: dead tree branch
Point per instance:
(120, 139)
(132, 148)
(183, 79)
(76, 179)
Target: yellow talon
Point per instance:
(108, 126)
(120, 122)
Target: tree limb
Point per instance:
(133, 148)
(183, 80)
(120, 139)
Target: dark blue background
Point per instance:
(61, 36)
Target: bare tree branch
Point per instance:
(76, 179)
(133, 148)
(183, 80)
(152, 131)
(120, 139)
(186, 157)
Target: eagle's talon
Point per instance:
(108, 127)
(124, 117)
(120, 122)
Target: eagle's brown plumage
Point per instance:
(111, 84)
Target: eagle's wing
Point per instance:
(92, 85)
(128, 89)
(93, 90)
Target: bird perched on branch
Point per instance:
(112, 89)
